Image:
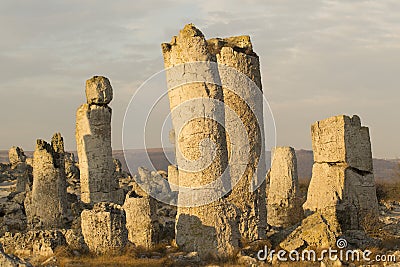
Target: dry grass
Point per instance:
(131, 256)
(128, 258)
(388, 191)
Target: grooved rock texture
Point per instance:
(201, 152)
(93, 138)
(103, 228)
(342, 180)
(283, 202)
(99, 91)
(141, 219)
(46, 205)
(239, 70)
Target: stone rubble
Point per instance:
(33, 243)
(11, 260)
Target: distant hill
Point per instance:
(384, 170)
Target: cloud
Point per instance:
(318, 58)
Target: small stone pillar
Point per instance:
(103, 228)
(283, 202)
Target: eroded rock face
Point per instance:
(98, 91)
(11, 260)
(141, 219)
(173, 177)
(235, 101)
(197, 114)
(342, 139)
(19, 168)
(93, 138)
(315, 231)
(33, 243)
(216, 236)
(245, 128)
(16, 155)
(103, 228)
(283, 202)
(49, 186)
(342, 180)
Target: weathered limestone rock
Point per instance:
(283, 202)
(33, 243)
(93, 138)
(243, 100)
(141, 219)
(173, 177)
(99, 91)
(16, 155)
(49, 186)
(315, 231)
(13, 218)
(190, 46)
(201, 153)
(216, 236)
(342, 139)
(155, 185)
(72, 174)
(11, 260)
(104, 229)
(342, 182)
(21, 171)
(75, 240)
(118, 165)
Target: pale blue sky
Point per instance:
(318, 58)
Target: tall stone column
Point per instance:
(46, 205)
(93, 139)
(239, 69)
(342, 182)
(283, 202)
(197, 113)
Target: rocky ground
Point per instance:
(66, 247)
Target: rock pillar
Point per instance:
(283, 202)
(342, 180)
(93, 139)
